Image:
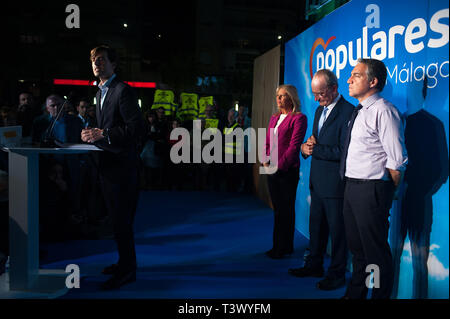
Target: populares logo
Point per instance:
(412, 38)
(316, 43)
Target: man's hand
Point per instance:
(308, 146)
(307, 149)
(91, 135)
(311, 140)
(397, 177)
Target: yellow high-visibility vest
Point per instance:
(189, 108)
(165, 99)
(231, 147)
(202, 103)
(174, 108)
(212, 124)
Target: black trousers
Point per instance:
(283, 191)
(366, 213)
(121, 202)
(326, 218)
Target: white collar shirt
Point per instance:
(104, 89)
(331, 106)
(377, 141)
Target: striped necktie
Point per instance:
(322, 119)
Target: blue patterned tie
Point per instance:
(322, 119)
(347, 141)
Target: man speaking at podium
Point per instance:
(120, 128)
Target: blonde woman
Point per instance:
(289, 126)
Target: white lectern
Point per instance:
(24, 272)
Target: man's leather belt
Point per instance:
(358, 180)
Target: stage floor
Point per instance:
(191, 245)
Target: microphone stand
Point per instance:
(49, 141)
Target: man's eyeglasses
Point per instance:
(320, 94)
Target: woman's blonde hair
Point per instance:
(293, 96)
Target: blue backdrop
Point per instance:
(411, 38)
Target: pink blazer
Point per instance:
(291, 133)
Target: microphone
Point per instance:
(49, 141)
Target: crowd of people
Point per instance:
(69, 184)
(67, 189)
(159, 171)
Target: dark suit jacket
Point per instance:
(121, 114)
(40, 125)
(324, 176)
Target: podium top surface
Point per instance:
(63, 149)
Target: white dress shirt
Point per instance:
(377, 141)
(104, 89)
(280, 120)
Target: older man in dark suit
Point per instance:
(120, 128)
(326, 187)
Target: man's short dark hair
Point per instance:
(112, 55)
(83, 99)
(26, 92)
(375, 69)
(54, 97)
(330, 77)
(150, 113)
